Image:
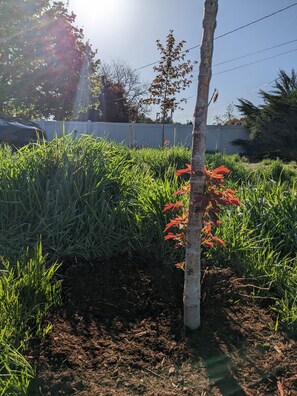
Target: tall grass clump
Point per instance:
(27, 291)
(84, 198)
(163, 162)
(261, 239)
(278, 170)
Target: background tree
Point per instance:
(192, 286)
(171, 78)
(229, 117)
(272, 125)
(119, 73)
(46, 67)
(113, 105)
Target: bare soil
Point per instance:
(119, 332)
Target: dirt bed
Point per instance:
(119, 332)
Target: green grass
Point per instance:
(161, 163)
(261, 239)
(84, 198)
(27, 291)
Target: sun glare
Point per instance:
(97, 14)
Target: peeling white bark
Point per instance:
(192, 287)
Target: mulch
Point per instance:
(119, 332)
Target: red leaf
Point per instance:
(221, 170)
(178, 222)
(185, 170)
(235, 201)
(230, 192)
(207, 243)
(219, 241)
(173, 206)
(207, 227)
(184, 190)
(180, 265)
(172, 223)
(168, 207)
(215, 196)
(170, 235)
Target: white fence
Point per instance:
(218, 138)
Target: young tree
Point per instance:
(171, 78)
(192, 287)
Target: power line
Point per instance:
(246, 25)
(149, 64)
(254, 53)
(253, 63)
(264, 85)
(257, 20)
(227, 33)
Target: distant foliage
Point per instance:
(120, 76)
(273, 125)
(114, 105)
(228, 118)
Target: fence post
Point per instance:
(175, 134)
(219, 139)
(89, 127)
(130, 135)
(134, 142)
(42, 124)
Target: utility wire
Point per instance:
(257, 20)
(227, 33)
(254, 53)
(149, 64)
(253, 63)
(251, 53)
(264, 85)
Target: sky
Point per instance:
(127, 30)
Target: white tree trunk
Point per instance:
(192, 287)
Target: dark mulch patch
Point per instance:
(119, 332)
